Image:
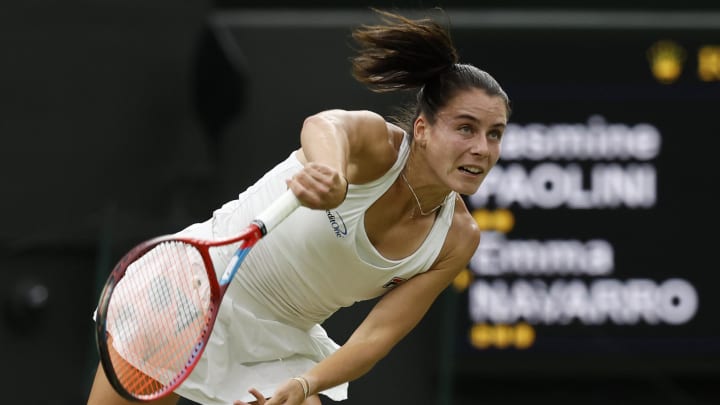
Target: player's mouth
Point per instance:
(472, 170)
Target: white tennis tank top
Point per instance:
(316, 261)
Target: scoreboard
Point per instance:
(599, 223)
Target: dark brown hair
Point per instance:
(403, 53)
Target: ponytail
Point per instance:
(402, 53)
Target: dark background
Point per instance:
(124, 120)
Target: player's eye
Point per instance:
(495, 134)
(466, 129)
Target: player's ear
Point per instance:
(420, 131)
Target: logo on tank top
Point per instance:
(396, 281)
(337, 223)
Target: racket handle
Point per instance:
(277, 211)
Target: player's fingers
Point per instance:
(314, 192)
(260, 399)
(316, 180)
(320, 169)
(306, 195)
(329, 184)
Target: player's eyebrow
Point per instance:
(474, 119)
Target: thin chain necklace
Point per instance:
(417, 200)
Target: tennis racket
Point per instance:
(159, 304)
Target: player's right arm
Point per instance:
(340, 147)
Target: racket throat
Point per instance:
(239, 255)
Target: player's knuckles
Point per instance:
(303, 177)
(320, 167)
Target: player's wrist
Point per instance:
(304, 384)
(313, 384)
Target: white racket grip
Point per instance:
(271, 216)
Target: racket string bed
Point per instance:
(157, 315)
(161, 300)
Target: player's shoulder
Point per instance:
(365, 118)
(374, 145)
(364, 127)
(464, 232)
(395, 135)
(461, 241)
(377, 130)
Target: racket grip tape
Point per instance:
(277, 211)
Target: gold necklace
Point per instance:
(417, 200)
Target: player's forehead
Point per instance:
(475, 104)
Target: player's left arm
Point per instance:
(400, 310)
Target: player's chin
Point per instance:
(468, 185)
(466, 191)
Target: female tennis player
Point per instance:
(381, 215)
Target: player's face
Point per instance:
(464, 142)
